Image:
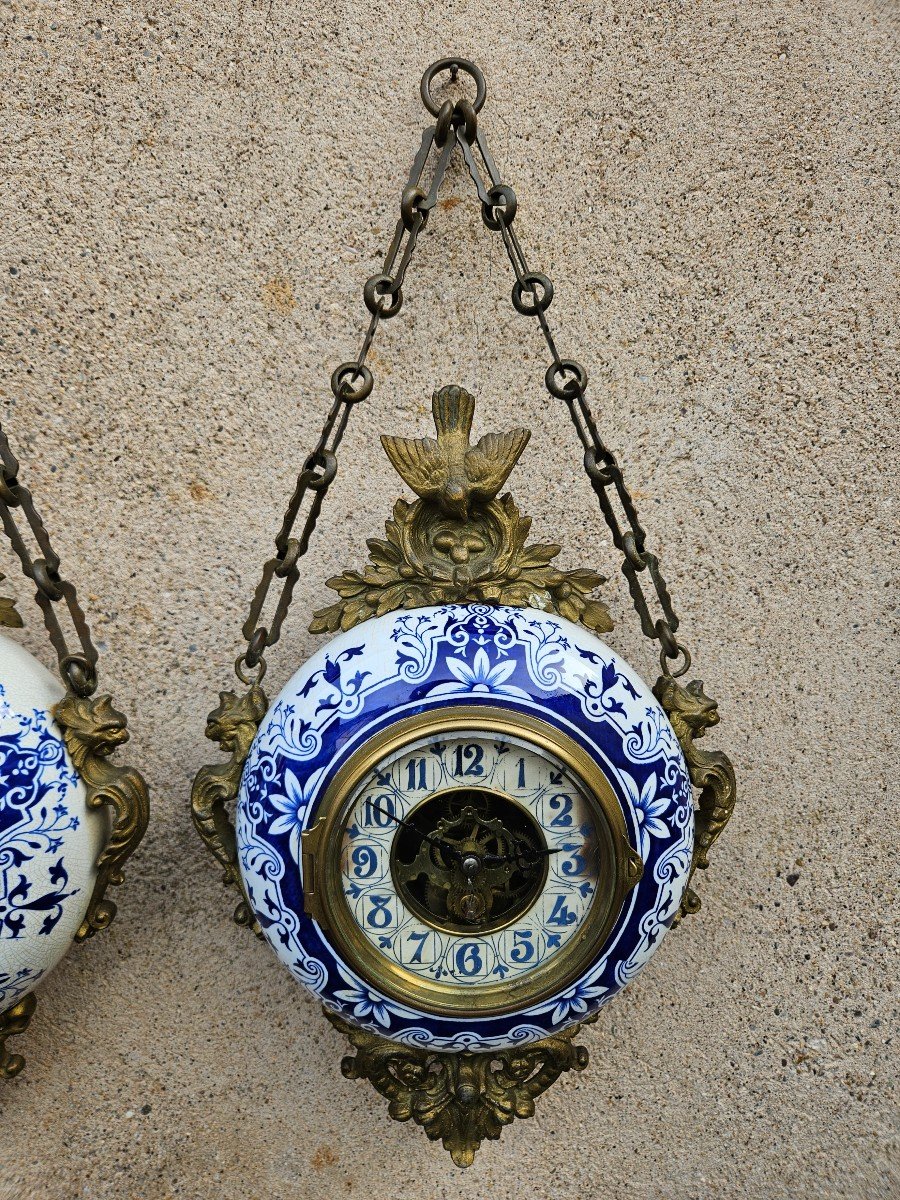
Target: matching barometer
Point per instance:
(465, 823)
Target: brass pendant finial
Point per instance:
(460, 1099)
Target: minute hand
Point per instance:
(494, 859)
(445, 846)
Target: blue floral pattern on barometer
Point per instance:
(36, 782)
(395, 666)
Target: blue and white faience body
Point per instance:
(405, 663)
(49, 839)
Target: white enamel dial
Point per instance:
(532, 800)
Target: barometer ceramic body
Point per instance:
(464, 826)
(69, 816)
(50, 839)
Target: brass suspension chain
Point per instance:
(351, 383)
(565, 380)
(78, 669)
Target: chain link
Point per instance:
(79, 668)
(567, 380)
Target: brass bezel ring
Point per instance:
(619, 868)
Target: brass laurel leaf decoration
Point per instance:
(458, 542)
(13, 1021)
(10, 618)
(691, 712)
(233, 725)
(92, 730)
(459, 1099)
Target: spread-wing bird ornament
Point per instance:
(450, 471)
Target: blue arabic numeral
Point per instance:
(415, 770)
(468, 959)
(365, 862)
(473, 752)
(523, 946)
(379, 915)
(561, 914)
(564, 817)
(421, 938)
(380, 811)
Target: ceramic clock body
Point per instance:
(466, 826)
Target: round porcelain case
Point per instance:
(387, 723)
(49, 839)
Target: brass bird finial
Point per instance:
(450, 471)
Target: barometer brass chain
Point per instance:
(79, 670)
(567, 380)
(351, 383)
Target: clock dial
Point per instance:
(470, 858)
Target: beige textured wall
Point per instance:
(193, 196)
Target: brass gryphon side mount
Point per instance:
(460, 541)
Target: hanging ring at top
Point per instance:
(453, 65)
(682, 669)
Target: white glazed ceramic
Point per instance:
(49, 839)
(411, 662)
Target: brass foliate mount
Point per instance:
(9, 615)
(458, 542)
(14, 1021)
(460, 1099)
(232, 725)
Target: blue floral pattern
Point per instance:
(400, 664)
(49, 840)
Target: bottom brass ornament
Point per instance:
(13, 1021)
(464, 1098)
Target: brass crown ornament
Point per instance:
(458, 541)
(465, 823)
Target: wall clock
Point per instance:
(465, 823)
(69, 817)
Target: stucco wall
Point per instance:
(193, 197)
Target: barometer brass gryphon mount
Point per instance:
(69, 816)
(465, 823)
